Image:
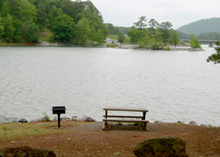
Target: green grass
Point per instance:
(111, 36)
(46, 117)
(46, 35)
(13, 131)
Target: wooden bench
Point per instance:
(126, 118)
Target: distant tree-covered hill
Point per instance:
(201, 26)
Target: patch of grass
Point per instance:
(46, 35)
(117, 153)
(114, 37)
(13, 131)
(10, 44)
(167, 48)
(46, 117)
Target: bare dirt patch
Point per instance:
(77, 139)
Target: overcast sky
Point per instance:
(178, 12)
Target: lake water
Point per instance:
(172, 85)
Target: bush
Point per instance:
(111, 45)
(167, 48)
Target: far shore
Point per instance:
(122, 46)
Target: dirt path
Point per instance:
(80, 139)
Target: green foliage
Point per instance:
(64, 28)
(22, 20)
(210, 36)
(141, 23)
(167, 48)
(117, 153)
(215, 57)
(127, 40)
(30, 32)
(26, 11)
(1, 27)
(156, 44)
(53, 13)
(165, 29)
(98, 37)
(111, 45)
(194, 42)
(112, 29)
(136, 34)
(144, 42)
(183, 35)
(83, 31)
(121, 37)
(125, 30)
(155, 36)
(8, 28)
(174, 38)
(5, 9)
(111, 36)
(46, 117)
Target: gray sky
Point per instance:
(178, 12)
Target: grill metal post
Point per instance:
(58, 120)
(58, 110)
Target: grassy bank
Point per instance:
(14, 131)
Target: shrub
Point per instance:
(111, 45)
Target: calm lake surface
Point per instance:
(173, 85)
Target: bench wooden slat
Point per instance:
(126, 120)
(125, 109)
(122, 116)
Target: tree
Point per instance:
(68, 8)
(53, 13)
(8, 28)
(121, 37)
(83, 31)
(174, 38)
(1, 27)
(215, 57)
(112, 29)
(136, 35)
(5, 9)
(64, 28)
(141, 23)
(99, 36)
(26, 11)
(42, 20)
(153, 26)
(165, 28)
(94, 17)
(32, 34)
(194, 42)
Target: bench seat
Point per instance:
(122, 116)
(126, 120)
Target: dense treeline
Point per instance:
(78, 22)
(209, 36)
(202, 36)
